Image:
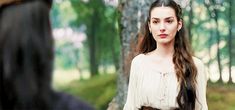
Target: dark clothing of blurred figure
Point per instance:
(26, 59)
(67, 102)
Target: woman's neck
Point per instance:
(165, 50)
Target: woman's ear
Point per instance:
(180, 24)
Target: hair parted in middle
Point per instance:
(185, 68)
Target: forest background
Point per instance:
(95, 41)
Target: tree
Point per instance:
(133, 14)
(91, 13)
(230, 41)
(108, 43)
(214, 12)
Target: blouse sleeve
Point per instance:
(131, 94)
(201, 103)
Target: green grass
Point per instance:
(99, 91)
(221, 96)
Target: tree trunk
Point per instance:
(218, 48)
(212, 33)
(218, 51)
(230, 42)
(92, 44)
(209, 51)
(215, 17)
(133, 15)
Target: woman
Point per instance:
(26, 59)
(165, 75)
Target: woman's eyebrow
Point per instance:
(169, 18)
(164, 18)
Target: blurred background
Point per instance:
(89, 46)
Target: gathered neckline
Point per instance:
(158, 71)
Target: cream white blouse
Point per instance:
(149, 87)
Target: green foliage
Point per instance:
(109, 43)
(100, 22)
(101, 26)
(62, 14)
(67, 55)
(209, 27)
(99, 90)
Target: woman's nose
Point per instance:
(162, 27)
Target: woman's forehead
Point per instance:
(162, 12)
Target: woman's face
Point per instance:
(163, 24)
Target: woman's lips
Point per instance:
(162, 35)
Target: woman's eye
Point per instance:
(169, 21)
(155, 22)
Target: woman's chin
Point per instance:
(164, 41)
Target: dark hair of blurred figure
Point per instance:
(26, 59)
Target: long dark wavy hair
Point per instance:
(26, 55)
(185, 68)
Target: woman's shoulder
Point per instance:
(198, 62)
(202, 71)
(138, 59)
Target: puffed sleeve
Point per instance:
(131, 94)
(201, 103)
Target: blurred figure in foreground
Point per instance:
(26, 59)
